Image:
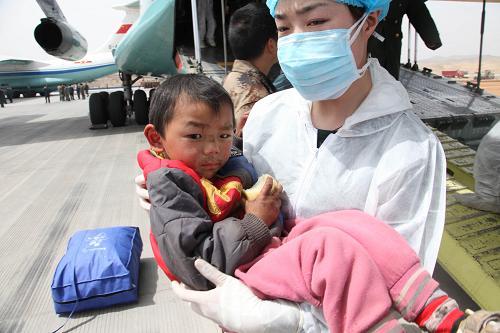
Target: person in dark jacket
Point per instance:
(190, 135)
(2, 97)
(388, 52)
(86, 89)
(253, 40)
(46, 93)
(9, 93)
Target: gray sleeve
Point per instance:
(184, 231)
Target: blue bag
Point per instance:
(100, 269)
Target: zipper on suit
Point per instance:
(304, 178)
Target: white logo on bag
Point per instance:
(94, 243)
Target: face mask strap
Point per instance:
(358, 25)
(363, 69)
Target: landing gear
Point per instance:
(97, 111)
(141, 107)
(116, 106)
(29, 93)
(127, 91)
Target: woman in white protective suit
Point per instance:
(343, 138)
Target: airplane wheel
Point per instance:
(116, 109)
(97, 110)
(105, 99)
(141, 107)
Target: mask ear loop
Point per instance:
(358, 25)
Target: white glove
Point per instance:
(234, 307)
(140, 190)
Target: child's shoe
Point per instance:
(480, 322)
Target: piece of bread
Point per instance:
(253, 192)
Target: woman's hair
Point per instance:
(190, 87)
(356, 12)
(250, 29)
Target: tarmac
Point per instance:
(59, 177)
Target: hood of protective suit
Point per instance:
(385, 92)
(386, 101)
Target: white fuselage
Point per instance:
(34, 76)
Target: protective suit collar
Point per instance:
(387, 99)
(384, 104)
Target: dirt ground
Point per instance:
(491, 86)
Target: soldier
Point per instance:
(82, 90)
(71, 92)
(206, 22)
(10, 94)
(389, 51)
(253, 40)
(86, 88)
(60, 90)
(2, 98)
(66, 93)
(46, 93)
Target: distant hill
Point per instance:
(467, 63)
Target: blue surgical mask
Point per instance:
(320, 64)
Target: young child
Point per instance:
(336, 261)
(190, 135)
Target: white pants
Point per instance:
(486, 174)
(206, 20)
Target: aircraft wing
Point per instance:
(51, 9)
(20, 64)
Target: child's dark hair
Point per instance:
(250, 29)
(193, 87)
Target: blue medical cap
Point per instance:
(368, 5)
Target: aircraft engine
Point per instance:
(60, 40)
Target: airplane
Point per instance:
(136, 54)
(29, 76)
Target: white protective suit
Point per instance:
(383, 161)
(486, 174)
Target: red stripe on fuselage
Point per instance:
(124, 28)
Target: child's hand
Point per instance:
(266, 205)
